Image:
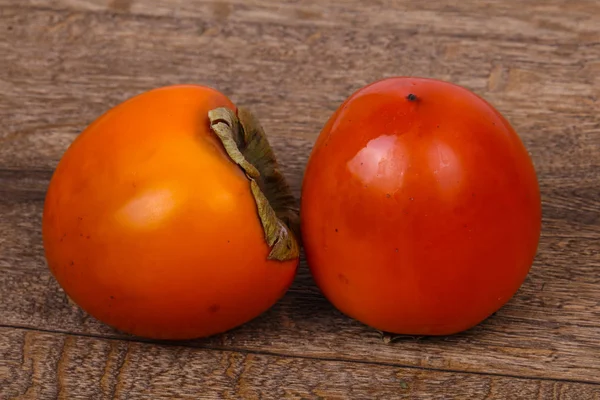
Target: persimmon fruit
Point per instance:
(420, 208)
(168, 217)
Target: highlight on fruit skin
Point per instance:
(420, 208)
(168, 217)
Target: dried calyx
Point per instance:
(245, 142)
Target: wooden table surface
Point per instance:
(64, 62)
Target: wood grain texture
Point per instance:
(64, 62)
(554, 18)
(93, 60)
(37, 365)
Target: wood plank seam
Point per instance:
(95, 368)
(292, 356)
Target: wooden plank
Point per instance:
(549, 90)
(37, 365)
(540, 20)
(550, 329)
(294, 74)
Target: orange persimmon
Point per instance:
(156, 221)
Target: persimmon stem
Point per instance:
(246, 144)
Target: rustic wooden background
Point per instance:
(64, 62)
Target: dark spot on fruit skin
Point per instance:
(72, 263)
(412, 198)
(112, 297)
(388, 195)
(411, 97)
(343, 279)
(396, 250)
(214, 308)
(336, 229)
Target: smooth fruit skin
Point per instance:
(421, 210)
(151, 228)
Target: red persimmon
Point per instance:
(420, 208)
